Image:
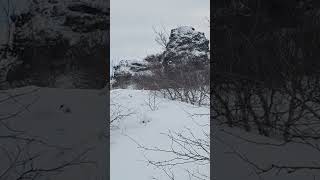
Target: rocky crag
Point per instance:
(60, 44)
(186, 47)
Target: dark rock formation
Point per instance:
(125, 72)
(186, 47)
(64, 38)
(187, 50)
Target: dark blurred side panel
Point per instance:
(265, 88)
(54, 100)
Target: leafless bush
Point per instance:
(144, 82)
(152, 101)
(289, 113)
(162, 36)
(266, 80)
(118, 113)
(288, 110)
(184, 85)
(185, 149)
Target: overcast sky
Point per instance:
(132, 22)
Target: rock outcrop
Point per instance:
(63, 38)
(186, 46)
(127, 70)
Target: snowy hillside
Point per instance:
(184, 48)
(147, 120)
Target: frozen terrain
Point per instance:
(143, 127)
(56, 127)
(147, 118)
(239, 152)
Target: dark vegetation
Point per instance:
(267, 56)
(265, 76)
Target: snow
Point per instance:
(187, 32)
(50, 19)
(132, 67)
(184, 30)
(178, 38)
(260, 150)
(61, 116)
(129, 160)
(145, 126)
(77, 126)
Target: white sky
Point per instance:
(132, 22)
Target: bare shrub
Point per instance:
(152, 101)
(184, 84)
(118, 113)
(186, 149)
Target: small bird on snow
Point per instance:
(65, 108)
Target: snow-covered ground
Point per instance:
(74, 120)
(147, 122)
(234, 149)
(144, 125)
(70, 122)
(237, 152)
